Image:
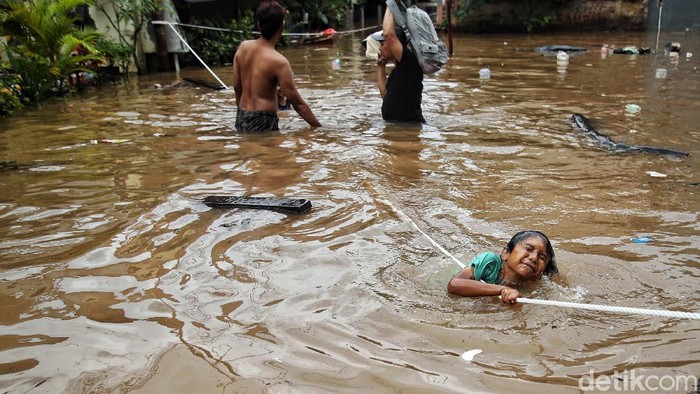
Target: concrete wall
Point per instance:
(505, 15)
(145, 44)
(146, 41)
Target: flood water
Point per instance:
(114, 275)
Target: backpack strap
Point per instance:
(401, 21)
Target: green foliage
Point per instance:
(466, 7)
(46, 46)
(40, 25)
(10, 90)
(327, 13)
(217, 47)
(34, 75)
(533, 22)
(116, 53)
(538, 14)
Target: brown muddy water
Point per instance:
(115, 277)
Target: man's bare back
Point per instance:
(258, 69)
(258, 66)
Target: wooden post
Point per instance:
(362, 17)
(161, 42)
(449, 27)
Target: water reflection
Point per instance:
(115, 275)
(402, 152)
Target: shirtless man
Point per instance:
(258, 69)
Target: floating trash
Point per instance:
(642, 240)
(632, 108)
(469, 354)
(656, 174)
(661, 73)
(484, 73)
(47, 168)
(672, 47)
(114, 141)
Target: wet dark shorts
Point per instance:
(256, 121)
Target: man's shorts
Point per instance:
(256, 121)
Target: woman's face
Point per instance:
(527, 260)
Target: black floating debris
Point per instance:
(632, 50)
(557, 48)
(297, 205)
(581, 123)
(204, 83)
(8, 165)
(672, 47)
(12, 165)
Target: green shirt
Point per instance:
(487, 267)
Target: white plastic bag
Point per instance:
(373, 46)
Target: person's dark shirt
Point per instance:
(404, 89)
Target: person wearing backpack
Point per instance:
(402, 91)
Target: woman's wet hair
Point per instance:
(551, 267)
(270, 17)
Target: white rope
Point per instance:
(614, 309)
(563, 304)
(257, 32)
(190, 48)
(173, 24)
(437, 245)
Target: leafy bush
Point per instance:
(217, 47)
(47, 47)
(10, 90)
(322, 14)
(34, 73)
(116, 53)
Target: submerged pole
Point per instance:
(449, 27)
(658, 27)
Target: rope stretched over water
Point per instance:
(563, 304)
(173, 24)
(257, 32)
(437, 245)
(614, 309)
(191, 50)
